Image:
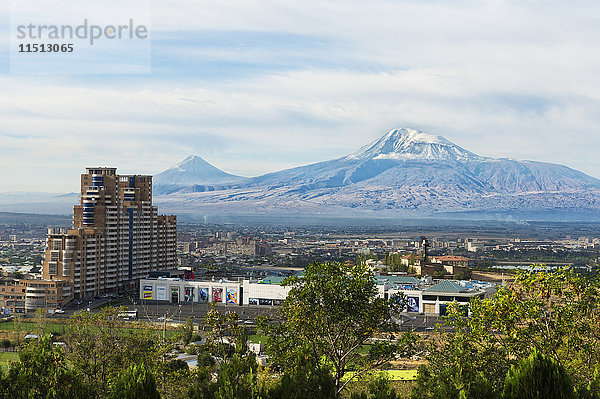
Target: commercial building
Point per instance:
(117, 236)
(242, 292)
(423, 296)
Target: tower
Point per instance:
(117, 236)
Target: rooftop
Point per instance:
(447, 286)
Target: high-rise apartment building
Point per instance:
(117, 236)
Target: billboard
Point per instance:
(217, 294)
(161, 292)
(262, 301)
(148, 292)
(188, 294)
(252, 301)
(412, 304)
(202, 295)
(232, 295)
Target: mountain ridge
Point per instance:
(406, 170)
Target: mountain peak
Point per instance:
(191, 162)
(193, 170)
(411, 144)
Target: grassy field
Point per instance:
(402, 375)
(396, 375)
(6, 358)
(257, 338)
(59, 328)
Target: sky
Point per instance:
(259, 86)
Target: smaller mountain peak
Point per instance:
(193, 170)
(191, 158)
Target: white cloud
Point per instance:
(500, 78)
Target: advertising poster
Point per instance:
(148, 292)
(252, 301)
(161, 292)
(232, 296)
(262, 301)
(188, 294)
(217, 294)
(277, 302)
(412, 304)
(202, 295)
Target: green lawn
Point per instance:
(30, 327)
(6, 358)
(257, 338)
(402, 375)
(395, 375)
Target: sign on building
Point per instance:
(161, 292)
(412, 304)
(148, 292)
(232, 296)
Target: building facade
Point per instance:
(117, 237)
(21, 296)
(423, 296)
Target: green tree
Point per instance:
(100, 348)
(329, 315)
(538, 377)
(137, 382)
(237, 370)
(592, 389)
(305, 378)
(555, 312)
(42, 372)
(187, 331)
(378, 388)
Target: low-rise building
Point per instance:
(423, 296)
(23, 296)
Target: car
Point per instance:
(248, 322)
(59, 311)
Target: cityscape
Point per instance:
(299, 200)
(123, 263)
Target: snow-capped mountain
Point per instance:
(404, 172)
(191, 175)
(409, 144)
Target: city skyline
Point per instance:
(259, 88)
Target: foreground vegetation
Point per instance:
(537, 338)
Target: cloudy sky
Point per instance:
(259, 86)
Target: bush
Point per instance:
(538, 377)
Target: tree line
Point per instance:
(536, 338)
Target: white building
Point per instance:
(422, 296)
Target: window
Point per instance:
(52, 267)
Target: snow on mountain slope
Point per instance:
(410, 144)
(405, 170)
(191, 175)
